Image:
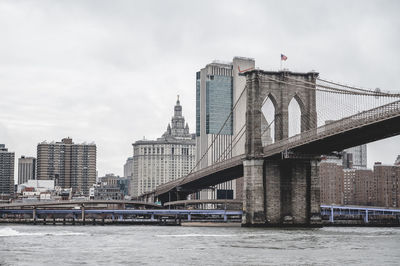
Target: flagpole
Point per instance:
(281, 64)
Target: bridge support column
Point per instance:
(315, 198)
(83, 213)
(34, 216)
(292, 192)
(253, 202)
(366, 216)
(281, 192)
(272, 191)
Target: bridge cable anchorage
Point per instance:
(214, 138)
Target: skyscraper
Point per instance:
(128, 172)
(6, 172)
(70, 165)
(128, 167)
(355, 157)
(26, 169)
(168, 158)
(219, 129)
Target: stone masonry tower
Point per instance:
(279, 191)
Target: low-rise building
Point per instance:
(110, 187)
(35, 190)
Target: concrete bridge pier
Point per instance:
(83, 213)
(253, 187)
(292, 192)
(34, 216)
(281, 192)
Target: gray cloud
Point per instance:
(109, 71)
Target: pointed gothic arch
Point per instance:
(295, 111)
(269, 109)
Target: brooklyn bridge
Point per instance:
(281, 185)
(280, 179)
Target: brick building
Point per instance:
(349, 186)
(388, 181)
(70, 165)
(364, 187)
(331, 181)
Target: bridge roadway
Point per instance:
(76, 202)
(364, 127)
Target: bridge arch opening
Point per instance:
(268, 110)
(295, 116)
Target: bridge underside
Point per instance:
(182, 191)
(337, 142)
(353, 137)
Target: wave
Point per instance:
(219, 235)
(195, 235)
(8, 231)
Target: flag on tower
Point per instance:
(283, 57)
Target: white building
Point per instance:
(170, 157)
(26, 169)
(37, 185)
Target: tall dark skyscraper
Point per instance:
(218, 88)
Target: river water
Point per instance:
(181, 245)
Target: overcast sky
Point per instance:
(109, 71)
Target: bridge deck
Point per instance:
(364, 127)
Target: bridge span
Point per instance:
(365, 127)
(281, 182)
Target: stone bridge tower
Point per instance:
(279, 191)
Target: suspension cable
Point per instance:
(215, 137)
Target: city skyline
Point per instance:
(76, 70)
